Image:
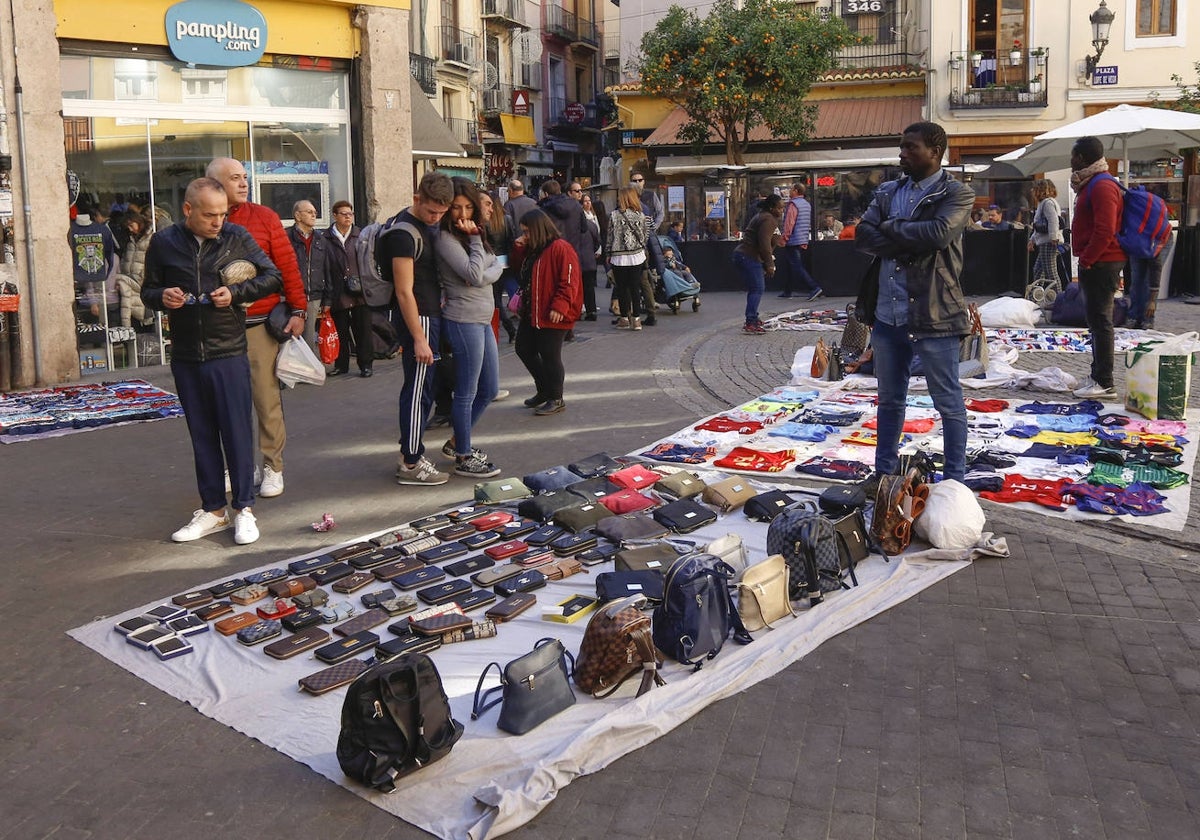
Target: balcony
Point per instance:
(561, 23)
(588, 34)
(424, 70)
(465, 132)
(498, 100)
(1010, 79)
(506, 13)
(612, 47)
(458, 46)
(529, 76)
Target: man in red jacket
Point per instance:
(266, 228)
(1097, 219)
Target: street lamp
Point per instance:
(1101, 20)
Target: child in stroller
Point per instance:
(677, 283)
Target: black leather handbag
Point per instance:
(533, 688)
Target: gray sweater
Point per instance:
(466, 280)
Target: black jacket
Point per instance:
(314, 263)
(567, 215)
(343, 264)
(930, 246)
(201, 331)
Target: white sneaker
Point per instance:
(203, 523)
(1094, 391)
(245, 527)
(272, 483)
(502, 394)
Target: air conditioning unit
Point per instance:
(493, 100)
(461, 53)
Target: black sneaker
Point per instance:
(550, 407)
(534, 401)
(475, 466)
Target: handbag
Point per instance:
(854, 543)
(581, 517)
(898, 502)
(820, 360)
(533, 688)
(617, 645)
(729, 495)
(646, 558)
(613, 586)
(543, 506)
(329, 345)
(277, 321)
(681, 485)
(635, 477)
(855, 335)
(514, 302)
(594, 465)
(354, 284)
(684, 515)
(630, 527)
(974, 346)
(627, 501)
(763, 594)
(732, 552)
(501, 490)
(555, 478)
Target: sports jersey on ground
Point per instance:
(810, 432)
(1065, 438)
(986, 406)
(676, 453)
(754, 460)
(836, 469)
(1137, 499)
(1163, 478)
(1021, 488)
(918, 426)
(1082, 407)
(727, 424)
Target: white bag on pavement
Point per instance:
(952, 517)
(1010, 312)
(297, 362)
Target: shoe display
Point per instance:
(819, 293)
(550, 407)
(534, 401)
(1094, 391)
(502, 395)
(245, 527)
(203, 523)
(423, 472)
(475, 466)
(366, 373)
(272, 483)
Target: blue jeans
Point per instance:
(1144, 282)
(476, 377)
(416, 394)
(894, 349)
(756, 283)
(792, 270)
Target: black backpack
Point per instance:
(808, 542)
(395, 720)
(697, 613)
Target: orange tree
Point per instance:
(741, 66)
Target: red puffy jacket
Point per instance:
(266, 228)
(556, 284)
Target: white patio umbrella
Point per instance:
(1130, 130)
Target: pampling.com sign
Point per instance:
(220, 33)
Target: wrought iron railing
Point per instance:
(424, 70)
(512, 11)
(464, 131)
(459, 45)
(1015, 78)
(562, 23)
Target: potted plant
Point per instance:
(1035, 84)
(956, 61)
(976, 58)
(1014, 55)
(1039, 55)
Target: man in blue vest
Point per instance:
(797, 230)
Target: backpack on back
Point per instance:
(376, 290)
(395, 720)
(697, 613)
(808, 542)
(1145, 221)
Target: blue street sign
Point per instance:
(1106, 75)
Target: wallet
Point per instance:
(532, 557)
(306, 617)
(303, 567)
(291, 588)
(337, 611)
(454, 531)
(511, 607)
(229, 626)
(492, 576)
(353, 583)
(375, 558)
(481, 538)
(505, 549)
(491, 520)
(404, 625)
(445, 551)
(463, 512)
(360, 622)
(436, 625)
(597, 555)
(191, 600)
(562, 569)
(277, 610)
(297, 643)
(516, 528)
(418, 577)
(266, 576)
(429, 523)
(221, 590)
(312, 598)
(408, 643)
(259, 632)
(331, 573)
(443, 592)
(469, 566)
(546, 534)
(409, 548)
(613, 585)
(570, 544)
(474, 599)
(478, 630)
(527, 581)
(343, 649)
(335, 677)
(684, 515)
(343, 554)
(391, 571)
(214, 610)
(249, 594)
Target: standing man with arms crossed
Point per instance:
(1098, 205)
(797, 230)
(264, 225)
(184, 266)
(419, 295)
(911, 295)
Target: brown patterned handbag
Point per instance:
(898, 502)
(617, 645)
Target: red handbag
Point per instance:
(328, 343)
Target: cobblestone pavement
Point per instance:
(1055, 693)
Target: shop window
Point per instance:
(294, 162)
(1155, 18)
(204, 86)
(135, 79)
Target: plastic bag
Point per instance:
(1158, 377)
(327, 340)
(952, 517)
(514, 303)
(297, 362)
(1010, 312)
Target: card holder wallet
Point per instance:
(343, 555)
(419, 577)
(266, 576)
(214, 610)
(454, 531)
(259, 632)
(429, 523)
(225, 588)
(445, 551)
(570, 544)
(492, 576)
(527, 581)
(191, 600)
(343, 649)
(410, 548)
(371, 600)
(533, 556)
(562, 569)
(544, 535)
(391, 571)
(684, 515)
(505, 549)
(443, 592)
(297, 643)
(360, 622)
(515, 529)
(302, 618)
(374, 558)
(313, 598)
(291, 588)
(474, 599)
(436, 625)
(408, 643)
(480, 539)
(277, 610)
(511, 607)
(232, 624)
(582, 517)
(330, 678)
(303, 567)
(469, 566)
(492, 520)
(249, 594)
(353, 583)
(331, 573)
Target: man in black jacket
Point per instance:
(201, 271)
(314, 259)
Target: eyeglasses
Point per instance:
(575, 191)
(345, 212)
(637, 180)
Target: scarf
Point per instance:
(1080, 177)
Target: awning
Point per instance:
(782, 161)
(518, 131)
(431, 137)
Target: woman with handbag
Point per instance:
(468, 270)
(343, 298)
(628, 232)
(551, 295)
(1047, 232)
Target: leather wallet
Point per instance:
(313, 598)
(481, 539)
(259, 632)
(363, 621)
(343, 649)
(463, 512)
(611, 586)
(165, 612)
(306, 617)
(517, 528)
(469, 566)
(277, 610)
(303, 567)
(370, 600)
(436, 625)
(335, 677)
(594, 465)
(410, 547)
(404, 625)
(225, 588)
(398, 605)
(492, 576)
(474, 599)
(562, 569)
(454, 531)
(232, 624)
(419, 577)
(570, 544)
(291, 588)
(214, 610)
(249, 594)
(390, 571)
(297, 643)
(478, 630)
(408, 643)
(374, 558)
(527, 581)
(601, 553)
(191, 600)
(505, 549)
(337, 611)
(545, 535)
(490, 520)
(533, 557)
(442, 592)
(353, 583)
(429, 523)
(266, 576)
(331, 573)
(445, 551)
(344, 554)
(511, 607)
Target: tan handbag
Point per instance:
(729, 494)
(763, 593)
(820, 360)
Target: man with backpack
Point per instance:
(1094, 228)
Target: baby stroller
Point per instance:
(674, 287)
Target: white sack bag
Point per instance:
(952, 517)
(1010, 312)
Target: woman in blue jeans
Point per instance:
(754, 257)
(468, 269)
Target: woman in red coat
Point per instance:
(551, 299)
